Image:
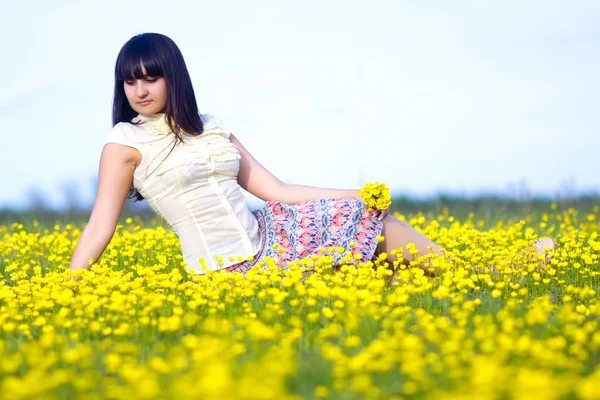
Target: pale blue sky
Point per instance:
(459, 96)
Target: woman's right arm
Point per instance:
(115, 175)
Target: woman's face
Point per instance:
(147, 95)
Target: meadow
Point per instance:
(487, 321)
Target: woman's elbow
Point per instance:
(276, 190)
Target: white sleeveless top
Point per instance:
(194, 188)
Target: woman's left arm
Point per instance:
(259, 181)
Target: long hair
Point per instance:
(160, 57)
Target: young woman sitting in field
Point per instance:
(191, 170)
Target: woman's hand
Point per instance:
(375, 212)
(379, 214)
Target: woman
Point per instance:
(190, 170)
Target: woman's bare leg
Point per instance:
(399, 234)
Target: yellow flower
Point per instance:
(321, 391)
(351, 341)
(376, 195)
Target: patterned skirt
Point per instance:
(294, 231)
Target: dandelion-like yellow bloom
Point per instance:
(376, 195)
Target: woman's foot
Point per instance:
(542, 246)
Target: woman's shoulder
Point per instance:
(120, 129)
(125, 128)
(213, 124)
(209, 118)
(124, 133)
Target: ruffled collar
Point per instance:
(155, 123)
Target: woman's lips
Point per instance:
(145, 103)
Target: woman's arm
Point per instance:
(257, 180)
(115, 175)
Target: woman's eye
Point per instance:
(147, 80)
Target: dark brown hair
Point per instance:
(160, 56)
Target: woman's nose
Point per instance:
(140, 88)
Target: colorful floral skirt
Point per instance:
(294, 231)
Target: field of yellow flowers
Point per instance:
(491, 322)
